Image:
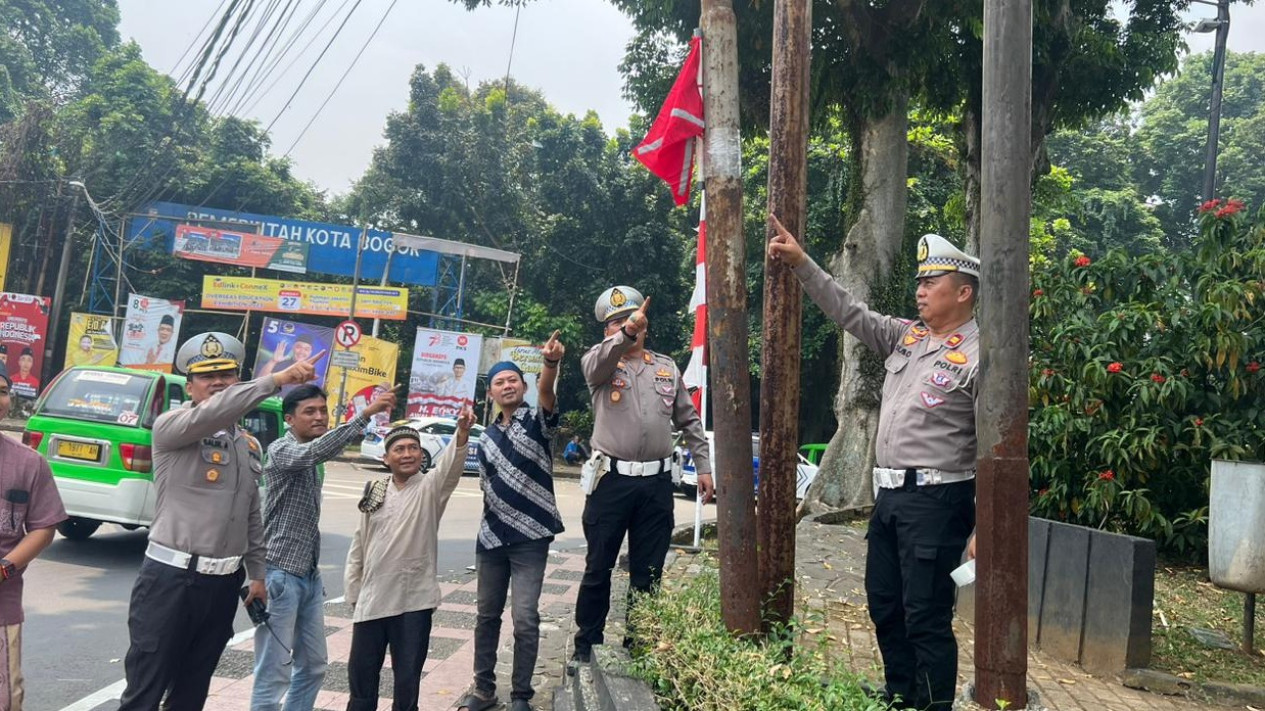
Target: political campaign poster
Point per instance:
(302, 298)
(241, 248)
(444, 373)
(527, 357)
(23, 330)
(283, 343)
(151, 330)
(91, 341)
(375, 373)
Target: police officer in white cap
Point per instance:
(639, 399)
(924, 508)
(207, 535)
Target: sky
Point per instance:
(568, 49)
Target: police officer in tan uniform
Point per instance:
(924, 508)
(638, 400)
(207, 535)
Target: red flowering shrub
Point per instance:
(1197, 314)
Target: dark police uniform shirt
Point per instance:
(927, 418)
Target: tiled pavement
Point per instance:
(830, 565)
(449, 663)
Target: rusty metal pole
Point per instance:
(727, 329)
(779, 384)
(1001, 607)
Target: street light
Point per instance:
(1221, 25)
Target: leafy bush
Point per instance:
(1144, 369)
(685, 653)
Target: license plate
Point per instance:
(79, 450)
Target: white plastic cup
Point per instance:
(964, 574)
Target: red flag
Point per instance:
(695, 375)
(668, 149)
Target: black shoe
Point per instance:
(577, 660)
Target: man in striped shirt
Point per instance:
(520, 519)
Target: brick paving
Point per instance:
(830, 569)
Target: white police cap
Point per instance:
(936, 256)
(617, 301)
(212, 352)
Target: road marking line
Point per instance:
(114, 691)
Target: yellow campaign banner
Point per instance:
(375, 373)
(301, 297)
(91, 341)
(6, 237)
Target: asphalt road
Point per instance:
(76, 594)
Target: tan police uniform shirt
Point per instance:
(207, 471)
(636, 403)
(927, 418)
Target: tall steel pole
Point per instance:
(1001, 612)
(727, 329)
(779, 384)
(1214, 105)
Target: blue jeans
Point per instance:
(296, 615)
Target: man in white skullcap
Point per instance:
(207, 535)
(924, 508)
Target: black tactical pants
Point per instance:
(916, 537)
(640, 506)
(179, 622)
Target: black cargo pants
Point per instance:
(916, 537)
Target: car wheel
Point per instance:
(78, 529)
(426, 461)
(690, 492)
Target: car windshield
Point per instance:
(97, 396)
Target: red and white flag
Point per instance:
(695, 375)
(668, 149)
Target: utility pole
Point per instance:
(341, 408)
(727, 329)
(59, 289)
(1214, 110)
(1001, 607)
(779, 384)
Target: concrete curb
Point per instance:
(605, 685)
(1218, 692)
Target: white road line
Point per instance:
(114, 691)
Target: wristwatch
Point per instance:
(7, 569)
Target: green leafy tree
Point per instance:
(1172, 138)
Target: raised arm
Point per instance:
(184, 426)
(552, 351)
(446, 472)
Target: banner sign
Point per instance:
(527, 357)
(375, 374)
(444, 373)
(151, 330)
(6, 238)
(300, 297)
(331, 248)
(282, 343)
(23, 330)
(240, 248)
(91, 341)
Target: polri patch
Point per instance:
(931, 400)
(955, 340)
(941, 379)
(956, 357)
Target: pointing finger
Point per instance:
(554, 337)
(644, 305)
(313, 360)
(777, 226)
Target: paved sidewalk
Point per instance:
(449, 665)
(830, 568)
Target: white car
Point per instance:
(686, 479)
(435, 433)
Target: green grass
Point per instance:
(692, 662)
(1184, 598)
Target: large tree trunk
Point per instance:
(844, 480)
(971, 180)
